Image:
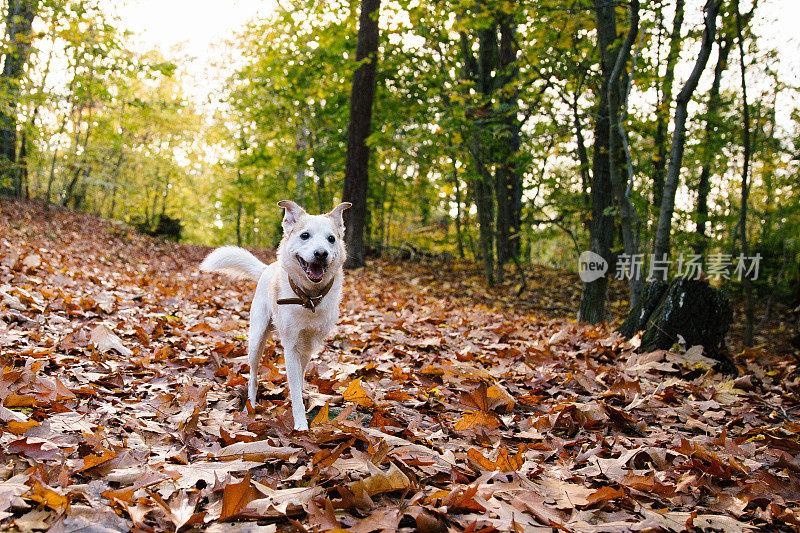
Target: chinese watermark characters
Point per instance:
(717, 266)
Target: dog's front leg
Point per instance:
(259, 331)
(294, 375)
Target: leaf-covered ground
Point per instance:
(124, 369)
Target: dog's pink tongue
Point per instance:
(316, 270)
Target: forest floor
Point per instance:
(436, 406)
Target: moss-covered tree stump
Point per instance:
(687, 309)
(637, 318)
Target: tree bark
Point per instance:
(593, 297)
(695, 312)
(481, 151)
(19, 20)
(239, 222)
(664, 104)
(508, 188)
(583, 157)
(661, 247)
(457, 197)
(714, 103)
(301, 146)
(356, 172)
(482, 191)
(747, 285)
(617, 102)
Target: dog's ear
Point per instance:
(336, 215)
(292, 214)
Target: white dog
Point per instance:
(298, 294)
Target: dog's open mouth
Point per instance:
(314, 270)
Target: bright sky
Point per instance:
(191, 31)
(777, 23)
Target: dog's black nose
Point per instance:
(321, 254)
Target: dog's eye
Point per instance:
(305, 235)
(331, 239)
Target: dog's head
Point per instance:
(312, 245)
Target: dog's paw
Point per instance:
(301, 425)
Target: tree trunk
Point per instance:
(487, 64)
(640, 314)
(22, 167)
(239, 222)
(115, 182)
(457, 195)
(71, 187)
(661, 247)
(615, 83)
(714, 104)
(509, 179)
(301, 148)
(742, 225)
(664, 104)
(583, 157)
(593, 297)
(51, 176)
(357, 157)
(322, 199)
(19, 19)
(482, 190)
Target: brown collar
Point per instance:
(309, 302)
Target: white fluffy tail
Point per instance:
(233, 261)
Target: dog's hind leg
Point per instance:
(260, 314)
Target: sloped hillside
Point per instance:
(124, 369)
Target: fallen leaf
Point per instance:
(277, 503)
(105, 340)
(260, 450)
(379, 481)
(236, 496)
(32, 261)
(356, 393)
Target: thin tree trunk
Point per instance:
(301, 147)
(768, 175)
(714, 103)
(165, 196)
(661, 247)
(583, 157)
(322, 199)
(617, 103)
(152, 220)
(84, 158)
(664, 104)
(457, 195)
(239, 222)
(747, 285)
(357, 157)
(22, 167)
(382, 211)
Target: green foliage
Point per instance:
(110, 131)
